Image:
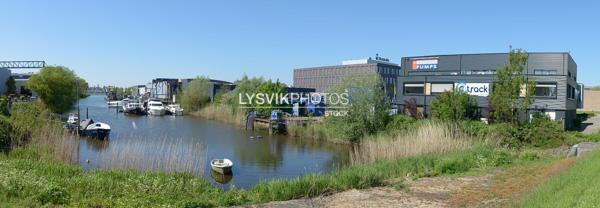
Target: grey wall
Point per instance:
(461, 64)
(4, 75)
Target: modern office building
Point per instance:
(21, 81)
(557, 92)
(324, 77)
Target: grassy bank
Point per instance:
(579, 186)
(32, 179)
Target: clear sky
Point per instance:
(130, 42)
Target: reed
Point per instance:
(431, 137)
(178, 156)
(55, 141)
(222, 113)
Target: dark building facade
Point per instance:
(324, 77)
(557, 92)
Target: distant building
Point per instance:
(215, 87)
(21, 81)
(4, 75)
(324, 77)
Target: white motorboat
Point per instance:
(175, 109)
(72, 118)
(222, 166)
(156, 108)
(113, 103)
(134, 108)
(94, 129)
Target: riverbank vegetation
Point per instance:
(57, 87)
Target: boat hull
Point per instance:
(221, 170)
(156, 112)
(134, 111)
(96, 133)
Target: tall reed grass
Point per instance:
(223, 113)
(430, 137)
(171, 155)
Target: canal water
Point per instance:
(187, 144)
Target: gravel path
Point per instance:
(496, 189)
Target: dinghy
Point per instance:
(222, 166)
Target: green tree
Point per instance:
(11, 87)
(195, 95)
(244, 86)
(83, 88)
(269, 89)
(512, 93)
(368, 109)
(56, 87)
(454, 105)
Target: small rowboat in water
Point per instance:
(222, 166)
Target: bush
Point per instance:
(400, 123)
(454, 105)
(5, 133)
(54, 195)
(540, 132)
(529, 155)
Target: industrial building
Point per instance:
(324, 77)
(557, 92)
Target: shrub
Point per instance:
(454, 105)
(540, 132)
(529, 155)
(54, 195)
(400, 123)
(5, 133)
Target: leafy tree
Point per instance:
(512, 93)
(195, 95)
(83, 88)
(56, 87)
(454, 105)
(368, 110)
(269, 89)
(244, 86)
(11, 87)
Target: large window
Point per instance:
(544, 72)
(414, 88)
(545, 90)
(437, 88)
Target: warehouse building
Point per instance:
(557, 92)
(324, 77)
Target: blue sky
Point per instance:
(130, 42)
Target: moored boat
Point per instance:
(175, 109)
(98, 130)
(156, 108)
(222, 166)
(134, 108)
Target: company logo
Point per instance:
(424, 64)
(476, 89)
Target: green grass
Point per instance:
(29, 179)
(578, 186)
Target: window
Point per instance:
(545, 90)
(544, 72)
(415, 88)
(481, 72)
(570, 92)
(437, 88)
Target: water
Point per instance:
(187, 144)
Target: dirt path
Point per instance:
(491, 190)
